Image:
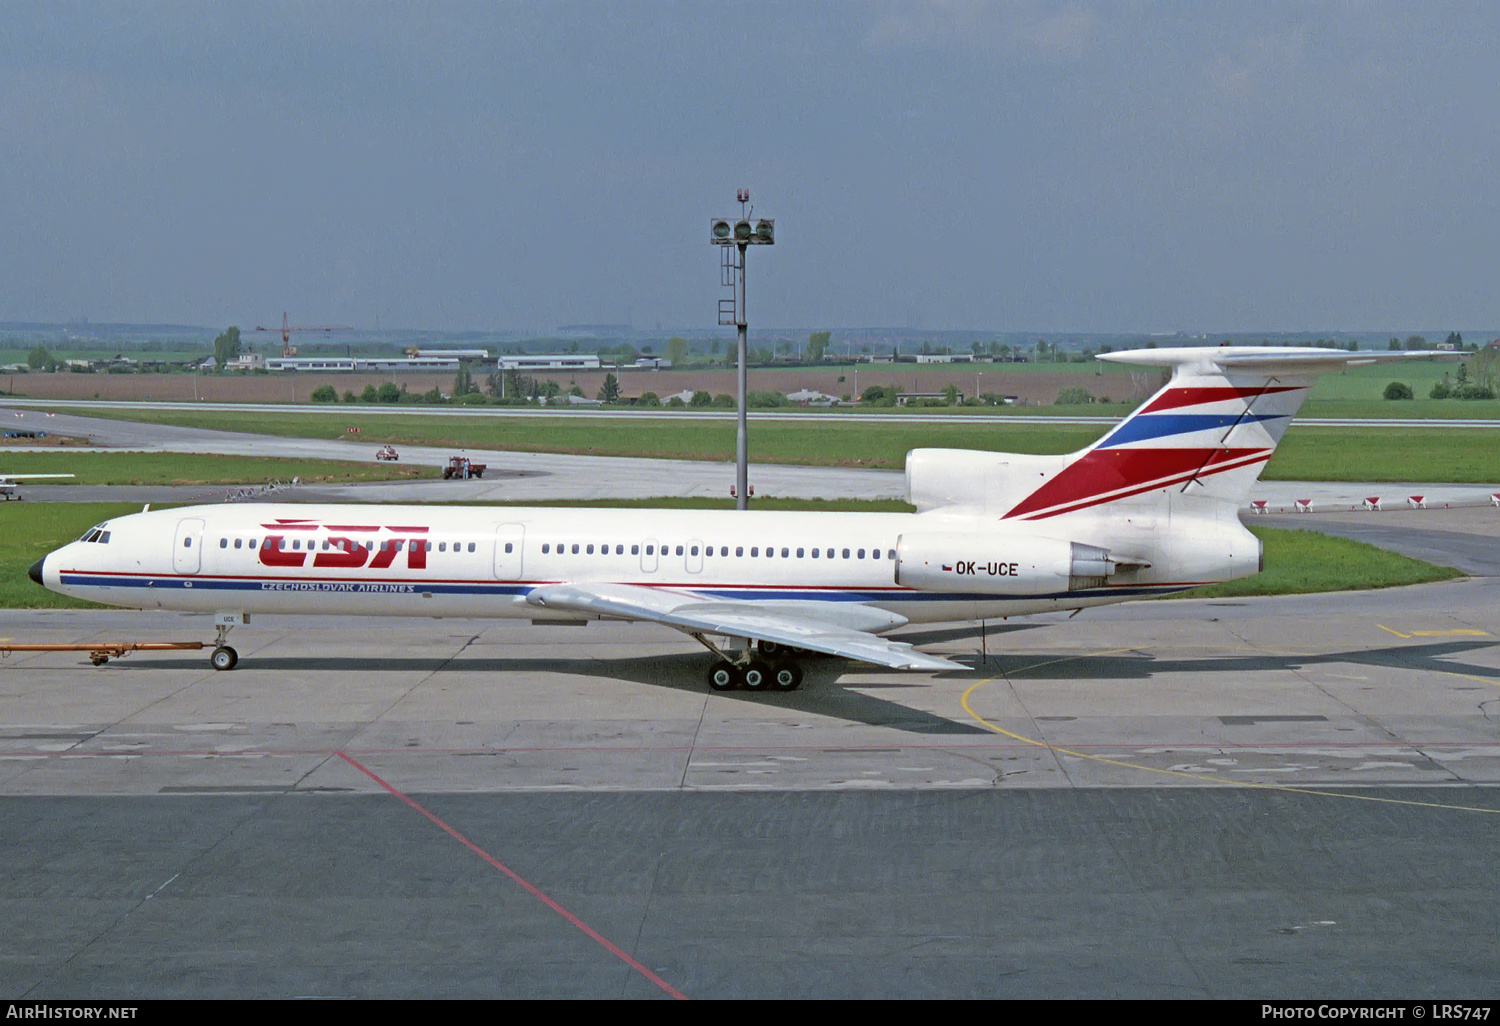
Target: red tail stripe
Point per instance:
(1099, 472)
(1173, 398)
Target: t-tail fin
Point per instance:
(1207, 434)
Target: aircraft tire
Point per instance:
(757, 676)
(723, 676)
(223, 658)
(786, 676)
(770, 649)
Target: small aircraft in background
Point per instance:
(8, 483)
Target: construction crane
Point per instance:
(287, 349)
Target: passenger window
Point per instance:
(679, 550)
(846, 553)
(428, 548)
(783, 552)
(815, 553)
(508, 546)
(723, 550)
(891, 554)
(187, 543)
(589, 550)
(471, 546)
(694, 552)
(223, 543)
(739, 550)
(861, 553)
(252, 542)
(650, 550)
(238, 542)
(575, 548)
(799, 553)
(619, 550)
(635, 550)
(546, 548)
(755, 550)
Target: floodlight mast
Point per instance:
(736, 237)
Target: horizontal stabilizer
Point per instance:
(1267, 359)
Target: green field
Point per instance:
(1308, 453)
(30, 530)
(106, 467)
(1296, 561)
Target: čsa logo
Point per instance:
(349, 546)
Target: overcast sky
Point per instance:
(1026, 166)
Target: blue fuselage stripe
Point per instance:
(750, 593)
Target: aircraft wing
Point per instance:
(834, 628)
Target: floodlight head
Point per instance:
(718, 230)
(742, 231)
(743, 195)
(765, 231)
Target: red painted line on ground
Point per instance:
(533, 891)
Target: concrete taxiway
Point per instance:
(1200, 798)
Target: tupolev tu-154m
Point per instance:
(1149, 509)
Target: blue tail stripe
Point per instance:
(1160, 425)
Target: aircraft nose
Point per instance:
(35, 573)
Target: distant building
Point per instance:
(550, 361)
(809, 397)
(478, 355)
(906, 397)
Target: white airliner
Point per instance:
(1151, 508)
(8, 482)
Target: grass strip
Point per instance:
(109, 467)
(1374, 453)
(1302, 562)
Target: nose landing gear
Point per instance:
(223, 657)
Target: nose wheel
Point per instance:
(223, 657)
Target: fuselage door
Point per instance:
(648, 556)
(509, 540)
(694, 557)
(187, 557)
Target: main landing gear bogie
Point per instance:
(756, 675)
